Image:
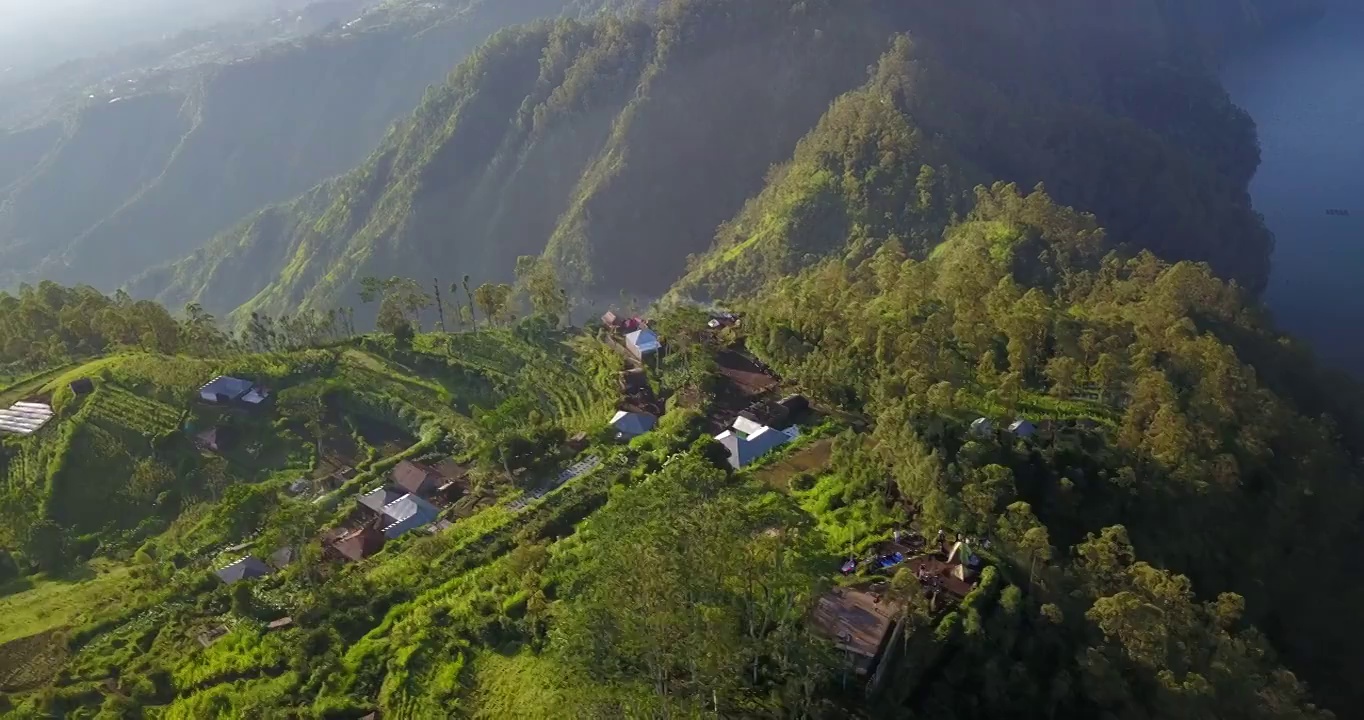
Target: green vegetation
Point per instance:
(661, 582)
(1038, 322)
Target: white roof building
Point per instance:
(745, 449)
(642, 342)
(408, 513)
(632, 424)
(746, 427)
(25, 418)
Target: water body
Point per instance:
(1305, 89)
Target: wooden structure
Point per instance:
(859, 622)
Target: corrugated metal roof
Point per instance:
(24, 418)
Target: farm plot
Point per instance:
(116, 407)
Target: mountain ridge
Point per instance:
(649, 196)
(259, 131)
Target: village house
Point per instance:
(356, 545)
(224, 390)
(632, 424)
(982, 427)
(858, 622)
(417, 479)
(619, 323)
(1023, 428)
(408, 512)
(749, 440)
(375, 500)
(82, 386)
(642, 343)
(244, 569)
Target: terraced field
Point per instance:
(25, 467)
(574, 379)
(116, 407)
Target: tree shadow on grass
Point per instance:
(15, 586)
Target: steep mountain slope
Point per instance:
(620, 153)
(1160, 155)
(110, 151)
(486, 167)
(21, 150)
(250, 133)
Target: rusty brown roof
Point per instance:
(855, 620)
(415, 478)
(362, 543)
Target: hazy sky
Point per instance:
(45, 31)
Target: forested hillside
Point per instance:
(618, 148)
(160, 174)
(1234, 475)
(922, 129)
(1171, 535)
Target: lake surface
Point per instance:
(1305, 90)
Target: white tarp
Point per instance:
(24, 418)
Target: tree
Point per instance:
(987, 373)
(1062, 371)
(149, 479)
(1010, 388)
(1107, 373)
(200, 334)
(537, 278)
(307, 402)
(725, 598)
(392, 321)
(915, 610)
(47, 546)
(493, 300)
(400, 300)
(242, 601)
(473, 317)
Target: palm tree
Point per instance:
(469, 294)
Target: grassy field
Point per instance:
(55, 603)
(24, 387)
(808, 459)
